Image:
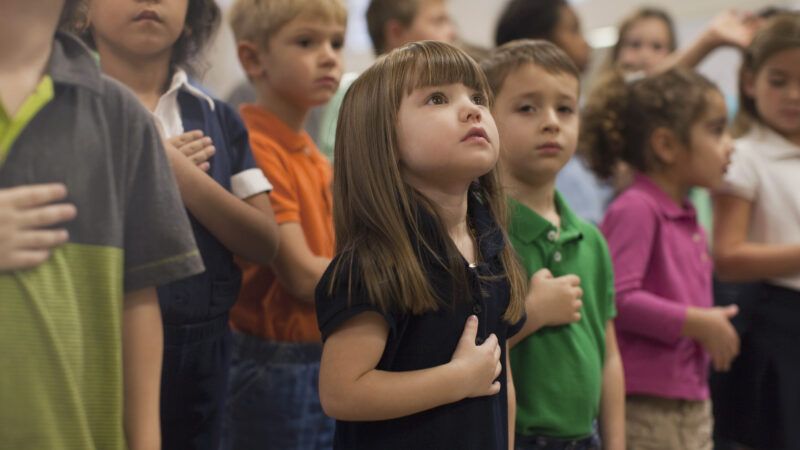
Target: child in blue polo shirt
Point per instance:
(567, 371)
(147, 46)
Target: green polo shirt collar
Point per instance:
(529, 227)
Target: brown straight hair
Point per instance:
(375, 212)
(780, 32)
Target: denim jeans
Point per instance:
(273, 397)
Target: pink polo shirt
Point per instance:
(661, 267)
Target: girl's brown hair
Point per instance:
(376, 213)
(619, 117)
(780, 32)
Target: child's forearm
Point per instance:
(297, 268)
(246, 228)
(612, 403)
(142, 343)
(382, 395)
(748, 261)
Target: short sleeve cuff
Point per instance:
(249, 183)
(159, 273)
(329, 324)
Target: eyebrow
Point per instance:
(538, 94)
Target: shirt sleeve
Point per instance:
(630, 228)
(515, 328)
(283, 195)
(159, 244)
(340, 298)
(741, 179)
(247, 179)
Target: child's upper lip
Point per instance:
(147, 14)
(476, 131)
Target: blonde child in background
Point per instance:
(568, 373)
(425, 284)
(667, 326)
(291, 50)
(757, 238)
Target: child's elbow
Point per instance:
(725, 266)
(334, 403)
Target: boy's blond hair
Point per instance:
(259, 20)
(380, 12)
(508, 57)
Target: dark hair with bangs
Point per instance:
(203, 18)
(511, 55)
(376, 214)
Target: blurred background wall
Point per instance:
(476, 21)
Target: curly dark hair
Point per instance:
(619, 116)
(528, 19)
(203, 18)
(202, 21)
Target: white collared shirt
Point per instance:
(765, 169)
(168, 112)
(168, 118)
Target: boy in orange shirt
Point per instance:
(291, 52)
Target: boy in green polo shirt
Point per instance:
(80, 330)
(566, 365)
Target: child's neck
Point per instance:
(146, 77)
(26, 41)
(540, 197)
(451, 207)
(676, 191)
(290, 113)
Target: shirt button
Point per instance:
(477, 309)
(479, 340)
(552, 235)
(557, 257)
(696, 237)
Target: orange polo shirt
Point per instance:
(301, 192)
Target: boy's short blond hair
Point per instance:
(259, 20)
(510, 56)
(380, 12)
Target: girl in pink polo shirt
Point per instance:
(671, 129)
(757, 238)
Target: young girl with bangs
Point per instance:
(149, 46)
(667, 326)
(757, 239)
(424, 284)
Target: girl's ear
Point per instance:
(665, 145)
(249, 58)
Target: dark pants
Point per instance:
(274, 397)
(194, 382)
(592, 442)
